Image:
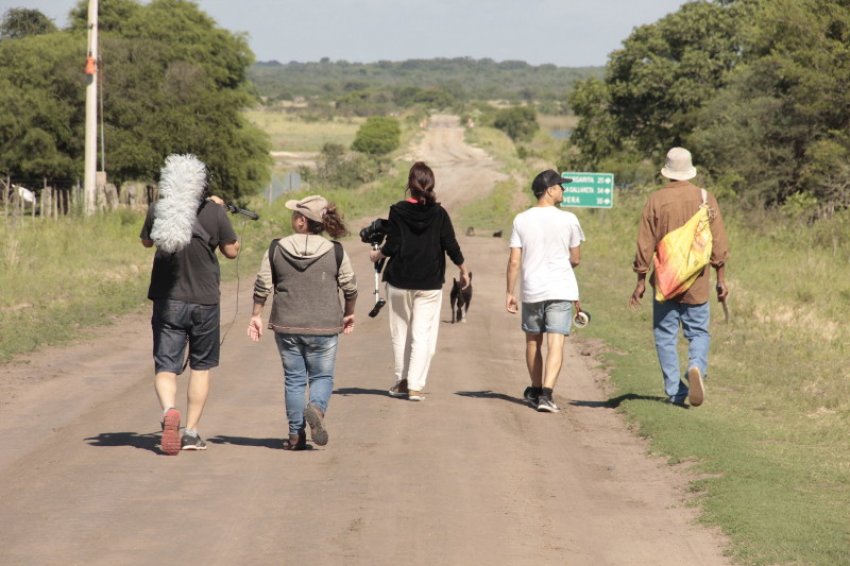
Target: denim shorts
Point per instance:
(554, 317)
(176, 323)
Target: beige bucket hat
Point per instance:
(679, 166)
(312, 207)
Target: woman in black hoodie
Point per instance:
(419, 236)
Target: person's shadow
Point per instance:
(490, 395)
(615, 402)
(147, 441)
(274, 443)
(360, 391)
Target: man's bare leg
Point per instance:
(199, 387)
(534, 358)
(554, 359)
(165, 383)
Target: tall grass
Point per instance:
(57, 277)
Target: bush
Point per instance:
(518, 122)
(379, 135)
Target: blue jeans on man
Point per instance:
(667, 317)
(306, 360)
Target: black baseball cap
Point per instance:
(546, 179)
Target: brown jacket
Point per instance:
(669, 208)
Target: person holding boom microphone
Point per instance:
(186, 229)
(419, 235)
(306, 272)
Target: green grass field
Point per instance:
(289, 132)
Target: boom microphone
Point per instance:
(243, 211)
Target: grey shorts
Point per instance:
(176, 323)
(554, 317)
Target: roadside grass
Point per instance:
(768, 451)
(290, 132)
(768, 446)
(57, 277)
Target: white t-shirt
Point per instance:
(546, 234)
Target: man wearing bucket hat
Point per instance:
(666, 210)
(544, 249)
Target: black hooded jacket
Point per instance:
(418, 238)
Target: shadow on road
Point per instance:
(274, 443)
(490, 395)
(149, 441)
(361, 391)
(615, 402)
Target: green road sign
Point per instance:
(589, 190)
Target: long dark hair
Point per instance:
(331, 223)
(420, 183)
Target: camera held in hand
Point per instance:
(375, 232)
(374, 235)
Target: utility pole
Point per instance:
(90, 192)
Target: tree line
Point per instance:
(366, 89)
(758, 90)
(172, 81)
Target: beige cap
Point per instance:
(312, 207)
(679, 166)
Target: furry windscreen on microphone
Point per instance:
(181, 189)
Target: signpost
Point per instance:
(589, 190)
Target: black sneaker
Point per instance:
(546, 405)
(190, 442)
(531, 397)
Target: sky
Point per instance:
(569, 33)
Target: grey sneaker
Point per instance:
(190, 442)
(546, 405)
(316, 420)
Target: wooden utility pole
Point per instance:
(91, 113)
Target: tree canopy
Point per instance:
(172, 82)
(759, 90)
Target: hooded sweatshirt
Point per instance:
(418, 238)
(306, 297)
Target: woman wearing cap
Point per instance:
(419, 236)
(305, 272)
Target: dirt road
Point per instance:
(470, 476)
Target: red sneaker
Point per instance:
(170, 443)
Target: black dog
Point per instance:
(460, 300)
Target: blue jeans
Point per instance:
(306, 359)
(666, 319)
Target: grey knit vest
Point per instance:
(305, 301)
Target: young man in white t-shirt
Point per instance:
(545, 248)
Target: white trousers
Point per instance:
(414, 325)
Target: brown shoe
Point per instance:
(415, 395)
(696, 388)
(316, 419)
(296, 441)
(399, 390)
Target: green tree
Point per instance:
(379, 135)
(781, 126)
(174, 82)
(42, 109)
(23, 22)
(518, 122)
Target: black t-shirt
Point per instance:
(191, 274)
